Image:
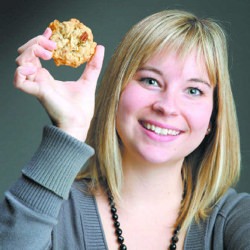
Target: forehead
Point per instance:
(192, 63)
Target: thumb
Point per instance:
(94, 66)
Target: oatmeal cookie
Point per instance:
(74, 40)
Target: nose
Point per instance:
(166, 104)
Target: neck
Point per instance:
(150, 183)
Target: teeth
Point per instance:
(161, 131)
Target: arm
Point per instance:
(31, 206)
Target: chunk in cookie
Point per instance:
(74, 40)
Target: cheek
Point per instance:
(199, 120)
(125, 109)
(131, 101)
(131, 106)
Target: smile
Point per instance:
(159, 130)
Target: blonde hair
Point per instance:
(214, 166)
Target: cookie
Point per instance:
(74, 40)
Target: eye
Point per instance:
(149, 81)
(194, 91)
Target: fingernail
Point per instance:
(48, 53)
(46, 31)
(54, 45)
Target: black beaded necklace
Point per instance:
(118, 230)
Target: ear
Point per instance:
(208, 129)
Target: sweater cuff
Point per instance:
(57, 161)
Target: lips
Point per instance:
(160, 130)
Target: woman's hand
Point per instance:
(70, 104)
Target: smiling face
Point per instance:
(164, 111)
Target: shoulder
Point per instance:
(233, 209)
(232, 219)
(227, 226)
(233, 202)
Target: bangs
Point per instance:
(182, 36)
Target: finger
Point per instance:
(42, 40)
(21, 82)
(32, 53)
(94, 66)
(47, 33)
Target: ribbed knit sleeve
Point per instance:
(57, 161)
(31, 206)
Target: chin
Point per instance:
(159, 159)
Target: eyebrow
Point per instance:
(198, 80)
(151, 69)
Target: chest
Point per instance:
(142, 229)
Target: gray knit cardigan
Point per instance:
(47, 209)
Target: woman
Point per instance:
(166, 147)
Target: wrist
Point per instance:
(77, 133)
(73, 127)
